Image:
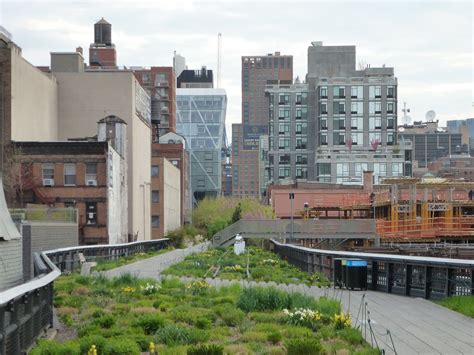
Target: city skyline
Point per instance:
(442, 83)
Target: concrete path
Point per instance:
(417, 326)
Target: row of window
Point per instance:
(284, 143)
(357, 92)
(285, 159)
(284, 113)
(339, 108)
(342, 169)
(284, 128)
(356, 138)
(356, 123)
(301, 98)
(69, 174)
(285, 173)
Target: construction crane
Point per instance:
(219, 60)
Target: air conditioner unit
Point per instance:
(48, 182)
(91, 183)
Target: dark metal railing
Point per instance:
(417, 276)
(26, 311)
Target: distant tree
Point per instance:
(17, 175)
(237, 213)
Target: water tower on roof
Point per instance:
(103, 32)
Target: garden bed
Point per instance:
(127, 315)
(262, 266)
(461, 304)
(105, 265)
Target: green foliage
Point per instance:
(206, 349)
(105, 321)
(351, 335)
(304, 346)
(150, 323)
(97, 340)
(179, 236)
(48, 347)
(237, 215)
(230, 315)
(173, 335)
(274, 337)
(461, 304)
(262, 299)
(203, 323)
(104, 265)
(121, 346)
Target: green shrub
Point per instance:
(274, 337)
(203, 323)
(87, 329)
(206, 349)
(351, 335)
(198, 336)
(97, 340)
(262, 299)
(121, 346)
(150, 323)
(83, 280)
(106, 321)
(143, 341)
(98, 313)
(461, 304)
(173, 335)
(125, 279)
(67, 320)
(48, 347)
(304, 346)
(230, 315)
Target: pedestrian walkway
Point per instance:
(417, 326)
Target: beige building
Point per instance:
(165, 197)
(84, 97)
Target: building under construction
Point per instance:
(406, 209)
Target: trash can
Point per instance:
(337, 268)
(356, 274)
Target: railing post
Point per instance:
(428, 275)
(450, 282)
(472, 281)
(375, 273)
(389, 277)
(408, 274)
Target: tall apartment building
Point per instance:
(179, 64)
(102, 52)
(160, 83)
(257, 72)
(201, 121)
(338, 124)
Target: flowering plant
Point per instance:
(342, 320)
(128, 289)
(197, 287)
(236, 268)
(303, 317)
(269, 262)
(150, 289)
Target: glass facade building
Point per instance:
(201, 120)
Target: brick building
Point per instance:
(160, 83)
(102, 52)
(88, 175)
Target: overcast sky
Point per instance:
(429, 43)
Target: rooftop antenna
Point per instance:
(219, 59)
(406, 120)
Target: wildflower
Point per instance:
(128, 289)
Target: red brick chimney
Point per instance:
(369, 181)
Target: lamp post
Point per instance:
(292, 197)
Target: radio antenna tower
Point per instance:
(219, 59)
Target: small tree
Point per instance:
(237, 213)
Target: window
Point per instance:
(271, 98)
(146, 78)
(301, 98)
(69, 204)
(323, 123)
(339, 123)
(70, 174)
(339, 138)
(323, 138)
(284, 143)
(201, 183)
(390, 107)
(323, 92)
(91, 212)
(155, 221)
(301, 113)
(155, 171)
(301, 128)
(375, 122)
(339, 107)
(284, 173)
(91, 172)
(301, 143)
(301, 159)
(390, 91)
(155, 196)
(360, 168)
(324, 169)
(48, 174)
(357, 138)
(375, 92)
(342, 169)
(397, 169)
(175, 162)
(201, 129)
(208, 156)
(339, 91)
(375, 136)
(284, 99)
(375, 107)
(301, 173)
(357, 108)
(209, 169)
(284, 128)
(323, 108)
(380, 169)
(357, 122)
(283, 113)
(284, 159)
(390, 122)
(390, 138)
(357, 92)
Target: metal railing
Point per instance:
(417, 276)
(26, 311)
